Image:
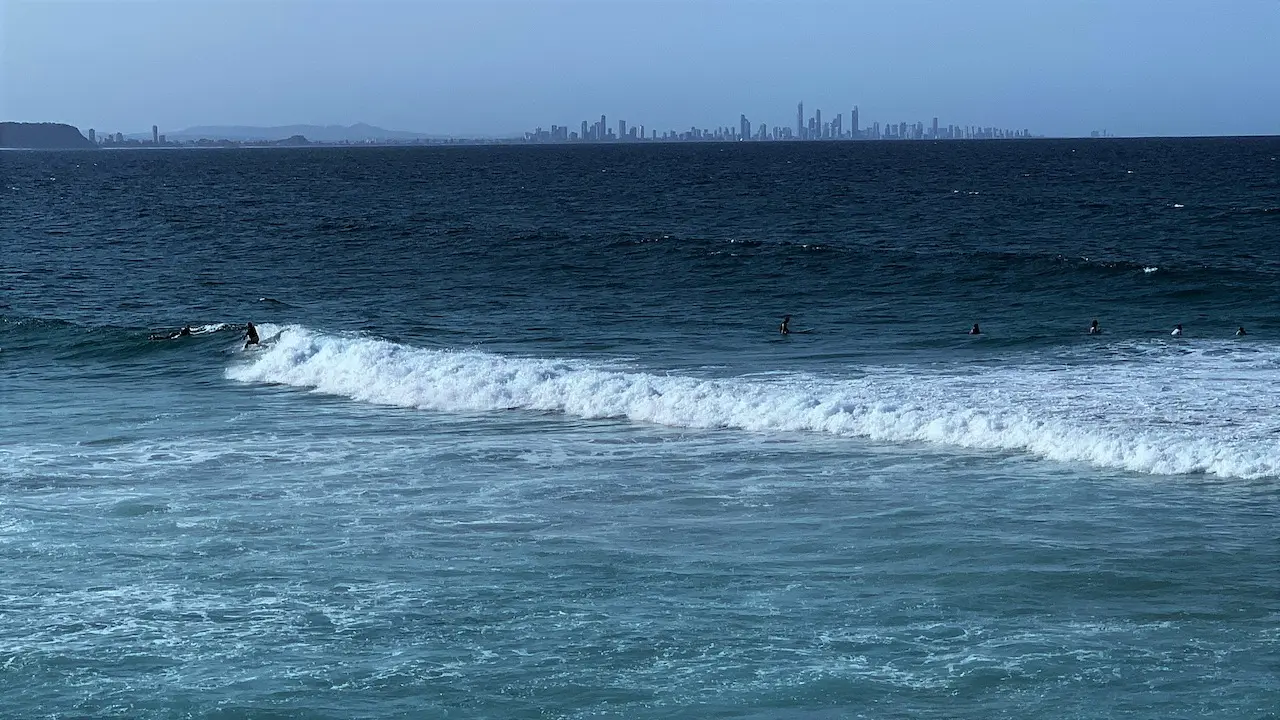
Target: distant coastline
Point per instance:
(60, 136)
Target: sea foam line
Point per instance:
(1125, 415)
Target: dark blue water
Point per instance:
(523, 438)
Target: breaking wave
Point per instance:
(1155, 408)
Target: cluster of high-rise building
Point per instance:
(806, 128)
(118, 139)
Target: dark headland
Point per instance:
(42, 136)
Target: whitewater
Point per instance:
(1156, 407)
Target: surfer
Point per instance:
(184, 332)
(1094, 329)
(1177, 330)
(786, 322)
(250, 336)
(1240, 331)
(975, 330)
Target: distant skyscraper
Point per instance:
(155, 135)
(817, 123)
(93, 136)
(800, 120)
(744, 127)
(853, 122)
(935, 128)
(584, 130)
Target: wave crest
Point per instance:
(1124, 415)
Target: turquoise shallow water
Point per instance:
(524, 442)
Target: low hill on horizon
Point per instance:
(359, 132)
(42, 136)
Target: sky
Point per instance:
(500, 67)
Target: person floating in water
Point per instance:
(184, 332)
(1094, 329)
(1177, 330)
(975, 330)
(250, 336)
(785, 328)
(1240, 331)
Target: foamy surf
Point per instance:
(1165, 412)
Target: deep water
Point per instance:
(523, 438)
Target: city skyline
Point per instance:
(498, 68)
(805, 128)
(600, 131)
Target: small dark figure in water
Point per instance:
(250, 336)
(1177, 330)
(975, 330)
(1094, 329)
(1240, 331)
(184, 332)
(786, 321)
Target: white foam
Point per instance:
(1161, 408)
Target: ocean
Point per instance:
(523, 440)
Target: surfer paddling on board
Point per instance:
(975, 330)
(184, 332)
(1177, 330)
(1240, 331)
(1094, 329)
(250, 336)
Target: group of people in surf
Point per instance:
(1094, 328)
(250, 335)
(1177, 330)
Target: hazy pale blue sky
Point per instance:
(461, 67)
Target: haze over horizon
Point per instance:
(499, 67)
